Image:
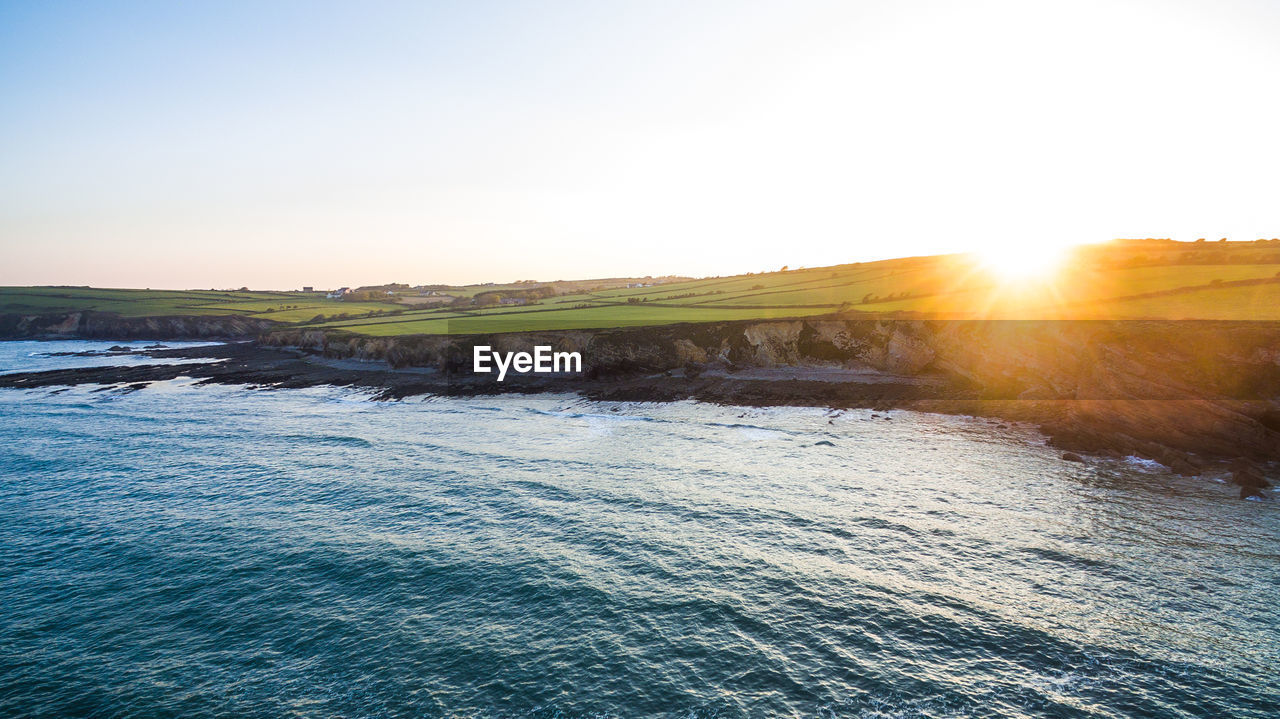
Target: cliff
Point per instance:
(107, 325)
(1042, 360)
(1173, 391)
(1185, 393)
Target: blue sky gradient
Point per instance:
(276, 144)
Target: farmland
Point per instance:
(280, 306)
(1236, 281)
(1125, 280)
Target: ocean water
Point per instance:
(198, 551)
(42, 355)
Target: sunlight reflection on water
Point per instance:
(201, 550)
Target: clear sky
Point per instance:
(277, 144)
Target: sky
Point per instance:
(279, 144)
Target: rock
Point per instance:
(1072, 457)
(1082, 440)
(1179, 465)
(119, 348)
(1111, 388)
(1249, 479)
(1240, 464)
(824, 443)
(767, 344)
(907, 354)
(687, 352)
(1247, 492)
(68, 326)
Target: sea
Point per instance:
(189, 550)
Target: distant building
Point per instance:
(338, 293)
(512, 301)
(308, 288)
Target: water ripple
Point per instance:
(211, 551)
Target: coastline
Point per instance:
(1074, 426)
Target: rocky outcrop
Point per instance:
(107, 325)
(1175, 392)
(1164, 390)
(1077, 360)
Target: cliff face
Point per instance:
(106, 325)
(1156, 360)
(1097, 386)
(1132, 387)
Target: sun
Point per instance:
(1029, 261)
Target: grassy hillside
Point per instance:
(1121, 280)
(280, 306)
(1159, 280)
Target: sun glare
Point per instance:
(1023, 262)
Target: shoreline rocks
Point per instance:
(1185, 394)
(110, 326)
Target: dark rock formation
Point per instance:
(110, 326)
(1179, 393)
(1135, 387)
(1249, 478)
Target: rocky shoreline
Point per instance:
(90, 325)
(1193, 396)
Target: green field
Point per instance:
(1124, 280)
(1261, 302)
(279, 306)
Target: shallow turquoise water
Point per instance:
(202, 551)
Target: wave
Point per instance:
(202, 553)
(339, 440)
